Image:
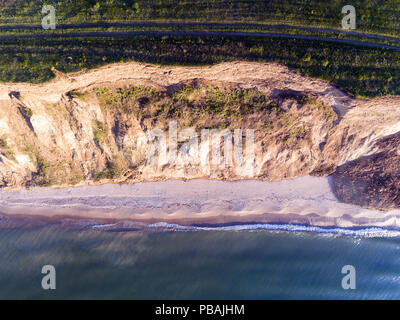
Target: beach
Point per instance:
(306, 200)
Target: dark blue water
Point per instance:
(143, 263)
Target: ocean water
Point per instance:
(106, 260)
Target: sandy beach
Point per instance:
(305, 200)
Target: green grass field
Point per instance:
(361, 70)
(380, 16)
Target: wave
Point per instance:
(129, 225)
(370, 232)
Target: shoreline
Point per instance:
(301, 201)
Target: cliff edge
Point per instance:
(91, 128)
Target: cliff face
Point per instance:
(94, 127)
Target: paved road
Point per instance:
(182, 25)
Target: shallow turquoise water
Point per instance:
(143, 264)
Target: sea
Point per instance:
(128, 260)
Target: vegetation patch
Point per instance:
(3, 143)
(362, 71)
(114, 170)
(100, 132)
(206, 106)
(5, 150)
(41, 176)
(377, 16)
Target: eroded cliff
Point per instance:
(92, 128)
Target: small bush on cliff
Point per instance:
(113, 170)
(100, 132)
(3, 143)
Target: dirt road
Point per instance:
(182, 25)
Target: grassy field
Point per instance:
(380, 16)
(361, 70)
